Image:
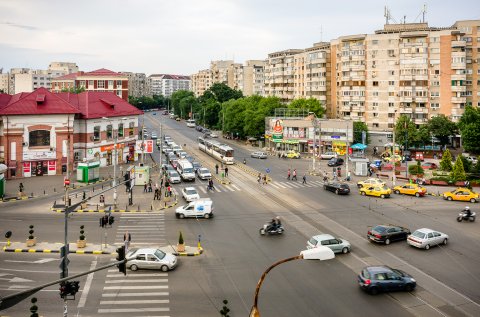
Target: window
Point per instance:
(39, 138)
(375, 83)
(391, 104)
(391, 83)
(101, 84)
(130, 129)
(120, 130)
(375, 114)
(110, 84)
(375, 125)
(391, 72)
(96, 133)
(90, 84)
(109, 132)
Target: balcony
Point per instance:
(406, 99)
(459, 88)
(459, 99)
(459, 43)
(461, 66)
(405, 110)
(420, 121)
(421, 99)
(421, 110)
(458, 77)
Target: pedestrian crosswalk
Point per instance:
(218, 188)
(296, 184)
(144, 292)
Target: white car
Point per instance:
(149, 258)
(190, 194)
(213, 135)
(259, 154)
(154, 136)
(173, 177)
(425, 238)
(203, 173)
(328, 155)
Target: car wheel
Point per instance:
(387, 242)
(164, 268)
(408, 287)
(397, 192)
(449, 198)
(133, 267)
(363, 193)
(324, 187)
(373, 290)
(382, 196)
(337, 192)
(206, 216)
(345, 250)
(359, 185)
(427, 247)
(473, 200)
(445, 241)
(417, 194)
(181, 216)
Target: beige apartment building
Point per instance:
(201, 81)
(280, 74)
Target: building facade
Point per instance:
(166, 85)
(138, 84)
(280, 74)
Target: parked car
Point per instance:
(472, 159)
(337, 188)
(407, 156)
(328, 155)
(174, 163)
(154, 136)
(387, 233)
(203, 173)
(377, 191)
(190, 193)
(149, 258)
(259, 154)
(293, 154)
(375, 279)
(410, 189)
(335, 244)
(371, 182)
(429, 166)
(182, 154)
(336, 161)
(189, 158)
(425, 238)
(393, 158)
(461, 194)
(173, 177)
(213, 135)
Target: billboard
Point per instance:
(144, 147)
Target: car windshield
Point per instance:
(344, 186)
(159, 254)
(398, 272)
(419, 234)
(204, 171)
(380, 229)
(188, 170)
(173, 174)
(191, 191)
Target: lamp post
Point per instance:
(321, 253)
(315, 127)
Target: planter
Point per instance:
(81, 244)
(397, 172)
(84, 206)
(434, 182)
(180, 247)
(31, 242)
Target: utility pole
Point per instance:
(143, 138)
(346, 153)
(394, 176)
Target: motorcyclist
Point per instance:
(278, 223)
(272, 225)
(467, 212)
(244, 161)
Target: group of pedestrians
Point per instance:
(294, 176)
(262, 179)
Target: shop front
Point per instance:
(39, 163)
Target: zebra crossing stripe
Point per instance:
(121, 287)
(203, 190)
(128, 302)
(235, 186)
(135, 294)
(274, 185)
(132, 310)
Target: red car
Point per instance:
(429, 165)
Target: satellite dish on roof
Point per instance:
(3, 168)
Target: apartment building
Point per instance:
(139, 84)
(201, 82)
(99, 80)
(253, 78)
(166, 85)
(62, 68)
(280, 74)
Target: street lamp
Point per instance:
(321, 253)
(315, 125)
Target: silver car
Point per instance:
(174, 177)
(259, 154)
(328, 155)
(203, 173)
(153, 259)
(425, 238)
(335, 244)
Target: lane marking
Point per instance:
(86, 288)
(135, 294)
(140, 301)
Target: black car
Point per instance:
(337, 188)
(387, 233)
(375, 279)
(335, 161)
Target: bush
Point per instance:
(180, 239)
(441, 178)
(458, 173)
(413, 170)
(446, 162)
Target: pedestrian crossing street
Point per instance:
(144, 292)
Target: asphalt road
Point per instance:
(236, 255)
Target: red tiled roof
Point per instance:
(100, 104)
(38, 102)
(102, 72)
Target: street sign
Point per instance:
(267, 170)
(66, 181)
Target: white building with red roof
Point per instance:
(166, 85)
(39, 130)
(100, 80)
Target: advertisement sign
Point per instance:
(26, 167)
(38, 155)
(110, 147)
(277, 130)
(52, 166)
(144, 147)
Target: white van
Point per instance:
(186, 171)
(191, 123)
(202, 207)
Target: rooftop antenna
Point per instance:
(424, 12)
(321, 33)
(388, 16)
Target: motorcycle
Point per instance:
(271, 231)
(463, 216)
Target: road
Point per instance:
(235, 255)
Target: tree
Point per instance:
(422, 136)
(467, 164)
(358, 128)
(458, 173)
(405, 130)
(221, 92)
(442, 128)
(74, 90)
(181, 100)
(310, 104)
(469, 125)
(446, 162)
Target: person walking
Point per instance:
(259, 178)
(216, 169)
(294, 177)
(20, 188)
(304, 181)
(156, 193)
(145, 187)
(264, 179)
(226, 171)
(127, 238)
(288, 174)
(150, 186)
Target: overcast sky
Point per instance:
(182, 37)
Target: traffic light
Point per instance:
(111, 220)
(74, 287)
(122, 267)
(63, 289)
(126, 178)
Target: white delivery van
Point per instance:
(202, 207)
(186, 171)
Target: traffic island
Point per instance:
(189, 251)
(46, 247)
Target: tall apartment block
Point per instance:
(139, 84)
(166, 85)
(280, 73)
(201, 82)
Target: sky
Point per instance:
(183, 36)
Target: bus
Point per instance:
(191, 123)
(221, 152)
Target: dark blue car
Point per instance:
(376, 279)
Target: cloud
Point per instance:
(21, 26)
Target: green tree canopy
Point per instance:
(74, 90)
(469, 126)
(442, 127)
(358, 128)
(181, 102)
(405, 130)
(446, 162)
(458, 173)
(221, 92)
(310, 104)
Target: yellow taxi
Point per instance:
(371, 182)
(293, 154)
(461, 194)
(377, 191)
(393, 158)
(410, 189)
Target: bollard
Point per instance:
(138, 207)
(54, 189)
(165, 204)
(102, 186)
(93, 189)
(97, 207)
(44, 192)
(31, 194)
(75, 195)
(151, 207)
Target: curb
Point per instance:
(7, 200)
(252, 172)
(5, 249)
(61, 210)
(200, 251)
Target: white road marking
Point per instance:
(135, 287)
(236, 187)
(129, 302)
(139, 275)
(132, 310)
(135, 294)
(160, 280)
(86, 287)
